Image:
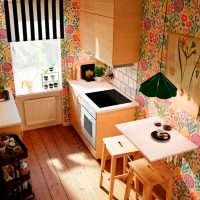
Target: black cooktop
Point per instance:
(107, 98)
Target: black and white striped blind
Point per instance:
(34, 19)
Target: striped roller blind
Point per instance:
(34, 19)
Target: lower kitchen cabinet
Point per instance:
(105, 122)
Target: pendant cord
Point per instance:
(163, 39)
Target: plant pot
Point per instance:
(97, 78)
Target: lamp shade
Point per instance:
(158, 86)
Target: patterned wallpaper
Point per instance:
(5, 57)
(183, 16)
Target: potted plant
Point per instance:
(99, 72)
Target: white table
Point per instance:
(139, 133)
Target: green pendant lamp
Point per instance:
(159, 85)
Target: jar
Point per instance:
(25, 185)
(2, 147)
(5, 139)
(11, 145)
(24, 168)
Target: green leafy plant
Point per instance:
(99, 71)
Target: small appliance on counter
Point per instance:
(87, 72)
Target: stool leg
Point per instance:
(137, 186)
(169, 189)
(147, 192)
(103, 162)
(128, 184)
(125, 163)
(112, 176)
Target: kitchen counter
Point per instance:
(10, 121)
(91, 122)
(82, 87)
(9, 113)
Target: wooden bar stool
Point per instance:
(116, 147)
(150, 175)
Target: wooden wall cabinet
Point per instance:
(111, 30)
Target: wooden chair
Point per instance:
(151, 175)
(116, 147)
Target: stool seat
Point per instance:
(116, 147)
(151, 173)
(119, 145)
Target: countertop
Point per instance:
(82, 87)
(9, 114)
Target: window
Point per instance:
(30, 60)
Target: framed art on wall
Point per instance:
(183, 69)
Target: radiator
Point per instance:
(40, 110)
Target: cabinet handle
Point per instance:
(78, 99)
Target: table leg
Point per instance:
(103, 162)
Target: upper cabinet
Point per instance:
(111, 30)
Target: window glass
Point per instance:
(30, 60)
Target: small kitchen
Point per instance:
(84, 101)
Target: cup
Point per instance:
(52, 77)
(46, 78)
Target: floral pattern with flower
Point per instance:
(183, 16)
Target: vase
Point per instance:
(97, 78)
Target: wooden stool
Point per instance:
(117, 147)
(150, 175)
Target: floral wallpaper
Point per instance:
(70, 47)
(5, 57)
(71, 52)
(183, 16)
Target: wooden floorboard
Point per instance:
(62, 168)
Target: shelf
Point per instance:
(25, 195)
(13, 189)
(10, 185)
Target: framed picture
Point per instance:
(183, 69)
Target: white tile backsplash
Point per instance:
(129, 71)
(134, 74)
(125, 79)
(121, 76)
(124, 70)
(128, 90)
(123, 87)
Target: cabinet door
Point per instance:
(103, 39)
(99, 7)
(87, 32)
(127, 30)
(75, 110)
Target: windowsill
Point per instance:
(36, 91)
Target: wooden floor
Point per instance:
(62, 168)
